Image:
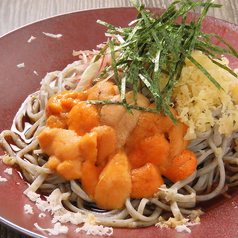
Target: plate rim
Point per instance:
(7, 222)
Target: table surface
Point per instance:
(17, 13)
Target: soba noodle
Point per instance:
(174, 204)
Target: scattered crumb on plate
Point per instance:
(31, 39)
(28, 209)
(3, 179)
(21, 65)
(52, 35)
(58, 229)
(42, 215)
(8, 171)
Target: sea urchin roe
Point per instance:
(63, 102)
(59, 105)
(148, 125)
(154, 149)
(115, 153)
(181, 166)
(83, 117)
(63, 148)
(114, 185)
(106, 143)
(145, 181)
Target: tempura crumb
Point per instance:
(21, 65)
(3, 179)
(92, 219)
(28, 209)
(52, 35)
(181, 228)
(8, 160)
(180, 225)
(42, 215)
(31, 39)
(56, 230)
(8, 171)
(95, 229)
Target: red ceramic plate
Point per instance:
(44, 54)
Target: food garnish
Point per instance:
(132, 134)
(152, 52)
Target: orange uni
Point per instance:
(146, 181)
(154, 149)
(181, 167)
(115, 154)
(83, 117)
(63, 102)
(114, 185)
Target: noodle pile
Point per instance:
(173, 205)
(210, 113)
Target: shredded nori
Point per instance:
(153, 45)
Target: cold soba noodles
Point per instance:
(132, 134)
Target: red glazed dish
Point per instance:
(45, 54)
